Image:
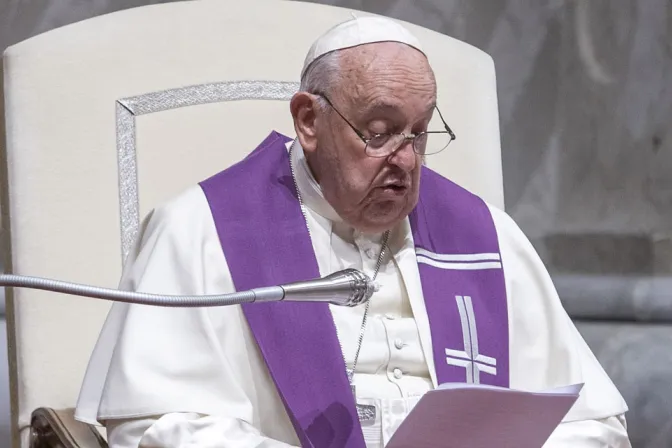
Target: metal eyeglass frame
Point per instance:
(411, 137)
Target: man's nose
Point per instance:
(404, 157)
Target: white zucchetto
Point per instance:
(359, 31)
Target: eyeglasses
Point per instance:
(382, 145)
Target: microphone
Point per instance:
(348, 287)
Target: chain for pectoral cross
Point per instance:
(365, 413)
(351, 372)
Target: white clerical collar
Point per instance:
(309, 189)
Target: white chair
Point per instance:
(108, 117)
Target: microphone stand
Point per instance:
(348, 287)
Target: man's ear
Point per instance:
(303, 108)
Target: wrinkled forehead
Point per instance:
(394, 70)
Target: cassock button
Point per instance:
(398, 373)
(399, 344)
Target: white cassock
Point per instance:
(165, 377)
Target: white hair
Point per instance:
(322, 75)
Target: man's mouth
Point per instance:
(395, 184)
(394, 188)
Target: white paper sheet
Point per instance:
(459, 415)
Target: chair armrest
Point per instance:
(51, 428)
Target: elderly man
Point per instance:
(463, 297)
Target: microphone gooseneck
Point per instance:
(349, 287)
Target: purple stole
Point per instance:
(264, 236)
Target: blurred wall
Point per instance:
(585, 92)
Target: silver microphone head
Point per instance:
(348, 287)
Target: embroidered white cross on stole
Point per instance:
(470, 358)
